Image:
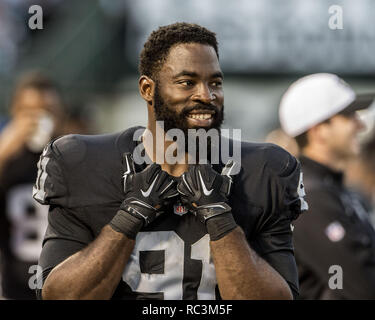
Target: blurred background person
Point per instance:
(319, 110)
(36, 115)
(360, 175)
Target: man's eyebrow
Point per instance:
(185, 73)
(218, 74)
(192, 74)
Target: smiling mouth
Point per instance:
(201, 115)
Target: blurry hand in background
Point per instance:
(36, 116)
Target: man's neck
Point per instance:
(325, 157)
(154, 148)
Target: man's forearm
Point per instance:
(92, 273)
(242, 274)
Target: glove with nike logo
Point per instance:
(205, 192)
(146, 194)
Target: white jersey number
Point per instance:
(301, 193)
(170, 282)
(28, 221)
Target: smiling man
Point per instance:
(126, 230)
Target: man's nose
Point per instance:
(204, 94)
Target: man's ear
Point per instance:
(146, 88)
(320, 132)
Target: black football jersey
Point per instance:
(23, 222)
(80, 177)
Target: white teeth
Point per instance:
(200, 116)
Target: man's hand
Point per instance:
(206, 193)
(146, 194)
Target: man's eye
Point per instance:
(217, 83)
(186, 83)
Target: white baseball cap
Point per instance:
(315, 98)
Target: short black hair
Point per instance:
(34, 80)
(158, 44)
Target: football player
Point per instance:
(35, 109)
(124, 230)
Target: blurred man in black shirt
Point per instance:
(36, 114)
(335, 234)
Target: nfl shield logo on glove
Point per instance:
(179, 209)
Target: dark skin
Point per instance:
(188, 77)
(191, 74)
(92, 273)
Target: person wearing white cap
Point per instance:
(334, 241)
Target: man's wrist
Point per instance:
(127, 224)
(220, 225)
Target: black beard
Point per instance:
(174, 120)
